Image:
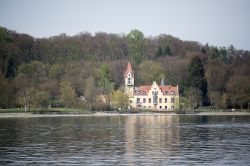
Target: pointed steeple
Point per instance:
(162, 81)
(129, 68)
(129, 81)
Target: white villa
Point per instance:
(155, 97)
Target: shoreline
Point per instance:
(101, 114)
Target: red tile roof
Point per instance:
(169, 89)
(144, 88)
(164, 89)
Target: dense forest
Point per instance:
(73, 71)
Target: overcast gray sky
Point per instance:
(218, 22)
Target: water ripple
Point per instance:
(132, 140)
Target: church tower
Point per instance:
(129, 81)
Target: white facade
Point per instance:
(155, 97)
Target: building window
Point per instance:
(144, 100)
(172, 107)
(166, 107)
(149, 106)
(155, 97)
(149, 100)
(160, 100)
(130, 101)
(160, 107)
(172, 100)
(138, 100)
(166, 100)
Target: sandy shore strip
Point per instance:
(224, 113)
(16, 115)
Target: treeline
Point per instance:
(81, 70)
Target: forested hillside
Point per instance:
(58, 71)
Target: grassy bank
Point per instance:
(86, 111)
(49, 110)
(12, 110)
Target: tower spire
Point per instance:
(162, 81)
(129, 68)
(129, 80)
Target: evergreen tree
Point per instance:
(104, 77)
(11, 69)
(159, 52)
(195, 77)
(167, 51)
(203, 50)
(105, 81)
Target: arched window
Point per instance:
(129, 80)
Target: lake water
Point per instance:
(126, 140)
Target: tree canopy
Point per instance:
(58, 67)
(195, 78)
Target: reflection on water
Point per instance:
(126, 140)
(150, 137)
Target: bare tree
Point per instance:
(90, 91)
